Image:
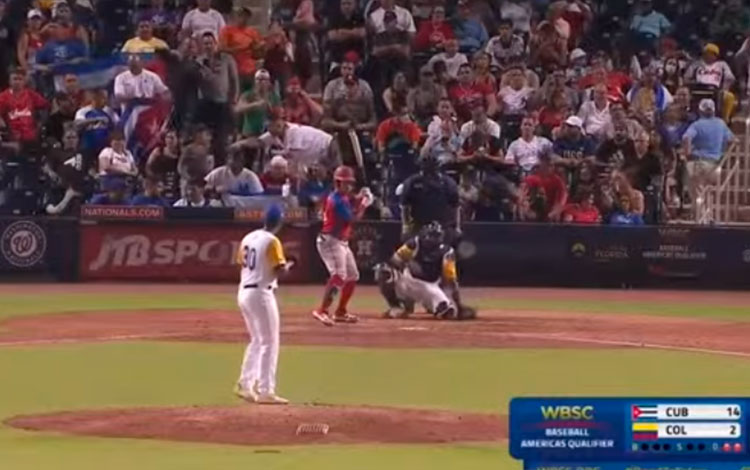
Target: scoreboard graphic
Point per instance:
(630, 433)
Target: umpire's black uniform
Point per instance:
(426, 197)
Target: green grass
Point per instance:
(27, 304)
(156, 374)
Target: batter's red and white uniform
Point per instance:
(333, 240)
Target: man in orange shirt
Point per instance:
(243, 42)
(400, 125)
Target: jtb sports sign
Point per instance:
(174, 252)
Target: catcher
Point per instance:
(423, 271)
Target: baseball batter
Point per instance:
(423, 270)
(261, 256)
(340, 211)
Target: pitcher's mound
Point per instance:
(273, 425)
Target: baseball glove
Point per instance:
(466, 313)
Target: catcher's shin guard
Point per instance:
(386, 279)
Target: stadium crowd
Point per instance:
(572, 111)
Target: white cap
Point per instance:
(707, 105)
(574, 121)
(34, 13)
(278, 160)
(262, 73)
(576, 54)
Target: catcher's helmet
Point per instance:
(344, 174)
(431, 235)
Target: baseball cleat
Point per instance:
(394, 312)
(323, 317)
(249, 395)
(344, 317)
(271, 399)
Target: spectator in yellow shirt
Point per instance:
(145, 42)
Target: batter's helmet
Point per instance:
(344, 174)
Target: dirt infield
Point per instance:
(274, 425)
(494, 330)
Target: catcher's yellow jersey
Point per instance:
(409, 251)
(260, 253)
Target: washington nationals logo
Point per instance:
(23, 244)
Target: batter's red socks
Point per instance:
(331, 291)
(346, 294)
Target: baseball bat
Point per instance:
(354, 138)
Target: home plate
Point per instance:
(413, 328)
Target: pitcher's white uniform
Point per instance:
(260, 253)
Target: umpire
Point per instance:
(429, 196)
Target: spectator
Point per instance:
(443, 146)
(72, 88)
(480, 123)
(649, 98)
(468, 194)
(451, 57)
(314, 188)
(233, 179)
(553, 113)
(646, 170)
(672, 74)
(624, 215)
(115, 193)
(506, 48)
(543, 194)
(714, 74)
(470, 32)
(577, 66)
(277, 175)
(19, 109)
(482, 73)
(255, 105)
(572, 149)
(595, 114)
(578, 15)
(302, 145)
(152, 190)
(116, 161)
(400, 127)
(547, 48)
(164, 21)
(616, 152)
(162, 165)
(481, 146)
(731, 18)
(337, 88)
(60, 49)
(195, 196)
(649, 24)
(137, 85)
(202, 19)
(398, 91)
(30, 41)
(433, 34)
(67, 173)
(346, 32)
(444, 123)
(299, 107)
(243, 42)
(95, 123)
(67, 28)
(145, 42)
(619, 115)
(354, 111)
(423, 99)
(219, 91)
(704, 144)
(525, 152)
(672, 128)
(466, 94)
(615, 82)
(514, 98)
(557, 82)
(196, 159)
(279, 57)
(391, 47)
(404, 20)
(519, 13)
(61, 119)
(582, 212)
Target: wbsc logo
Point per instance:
(23, 244)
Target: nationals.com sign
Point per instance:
(174, 252)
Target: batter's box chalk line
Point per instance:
(313, 428)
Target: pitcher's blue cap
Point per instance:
(274, 214)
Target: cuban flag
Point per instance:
(144, 125)
(644, 412)
(95, 73)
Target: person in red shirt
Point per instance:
(18, 106)
(400, 125)
(582, 212)
(467, 93)
(543, 193)
(434, 32)
(617, 82)
(299, 108)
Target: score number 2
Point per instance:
(249, 259)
